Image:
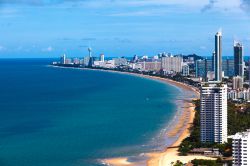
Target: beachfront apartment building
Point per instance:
(213, 113)
(150, 65)
(185, 69)
(172, 64)
(241, 148)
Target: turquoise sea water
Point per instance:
(69, 117)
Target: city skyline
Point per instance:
(118, 28)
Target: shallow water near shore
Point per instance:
(54, 116)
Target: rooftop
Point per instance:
(239, 135)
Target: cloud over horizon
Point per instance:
(246, 5)
(120, 26)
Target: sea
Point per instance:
(52, 116)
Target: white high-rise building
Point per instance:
(172, 64)
(102, 58)
(241, 149)
(185, 70)
(213, 113)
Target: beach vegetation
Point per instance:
(201, 162)
(178, 163)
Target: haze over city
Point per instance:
(34, 28)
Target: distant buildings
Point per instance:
(68, 61)
(185, 70)
(238, 59)
(63, 59)
(171, 64)
(213, 115)
(241, 149)
(87, 61)
(100, 62)
(135, 58)
(109, 64)
(218, 57)
(102, 58)
(120, 61)
(202, 67)
(238, 95)
(228, 67)
(237, 82)
(76, 61)
(150, 65)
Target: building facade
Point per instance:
(218, 57)
(150, 66)
(237, 82)
(205, 66)
(228, 67)
(120, 61)
(238, 59)
(213, 112)
(185, 70)
(172, 64)
(202, 67)
(241, 149)
(243, 94)
(102, 58)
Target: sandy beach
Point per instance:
(181, 130)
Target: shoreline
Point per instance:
(180, 130)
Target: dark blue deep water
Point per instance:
(69, 117)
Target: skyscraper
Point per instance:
(202, 67)
(241, 148)
(218, 57)
(238, 59)
(88, 60)
(135, 58)
(228, 67)
(213, 112)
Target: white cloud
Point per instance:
(138, 7)
(203, 47)
(48, 49)
(9, 12)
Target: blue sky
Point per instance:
(49, 28)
